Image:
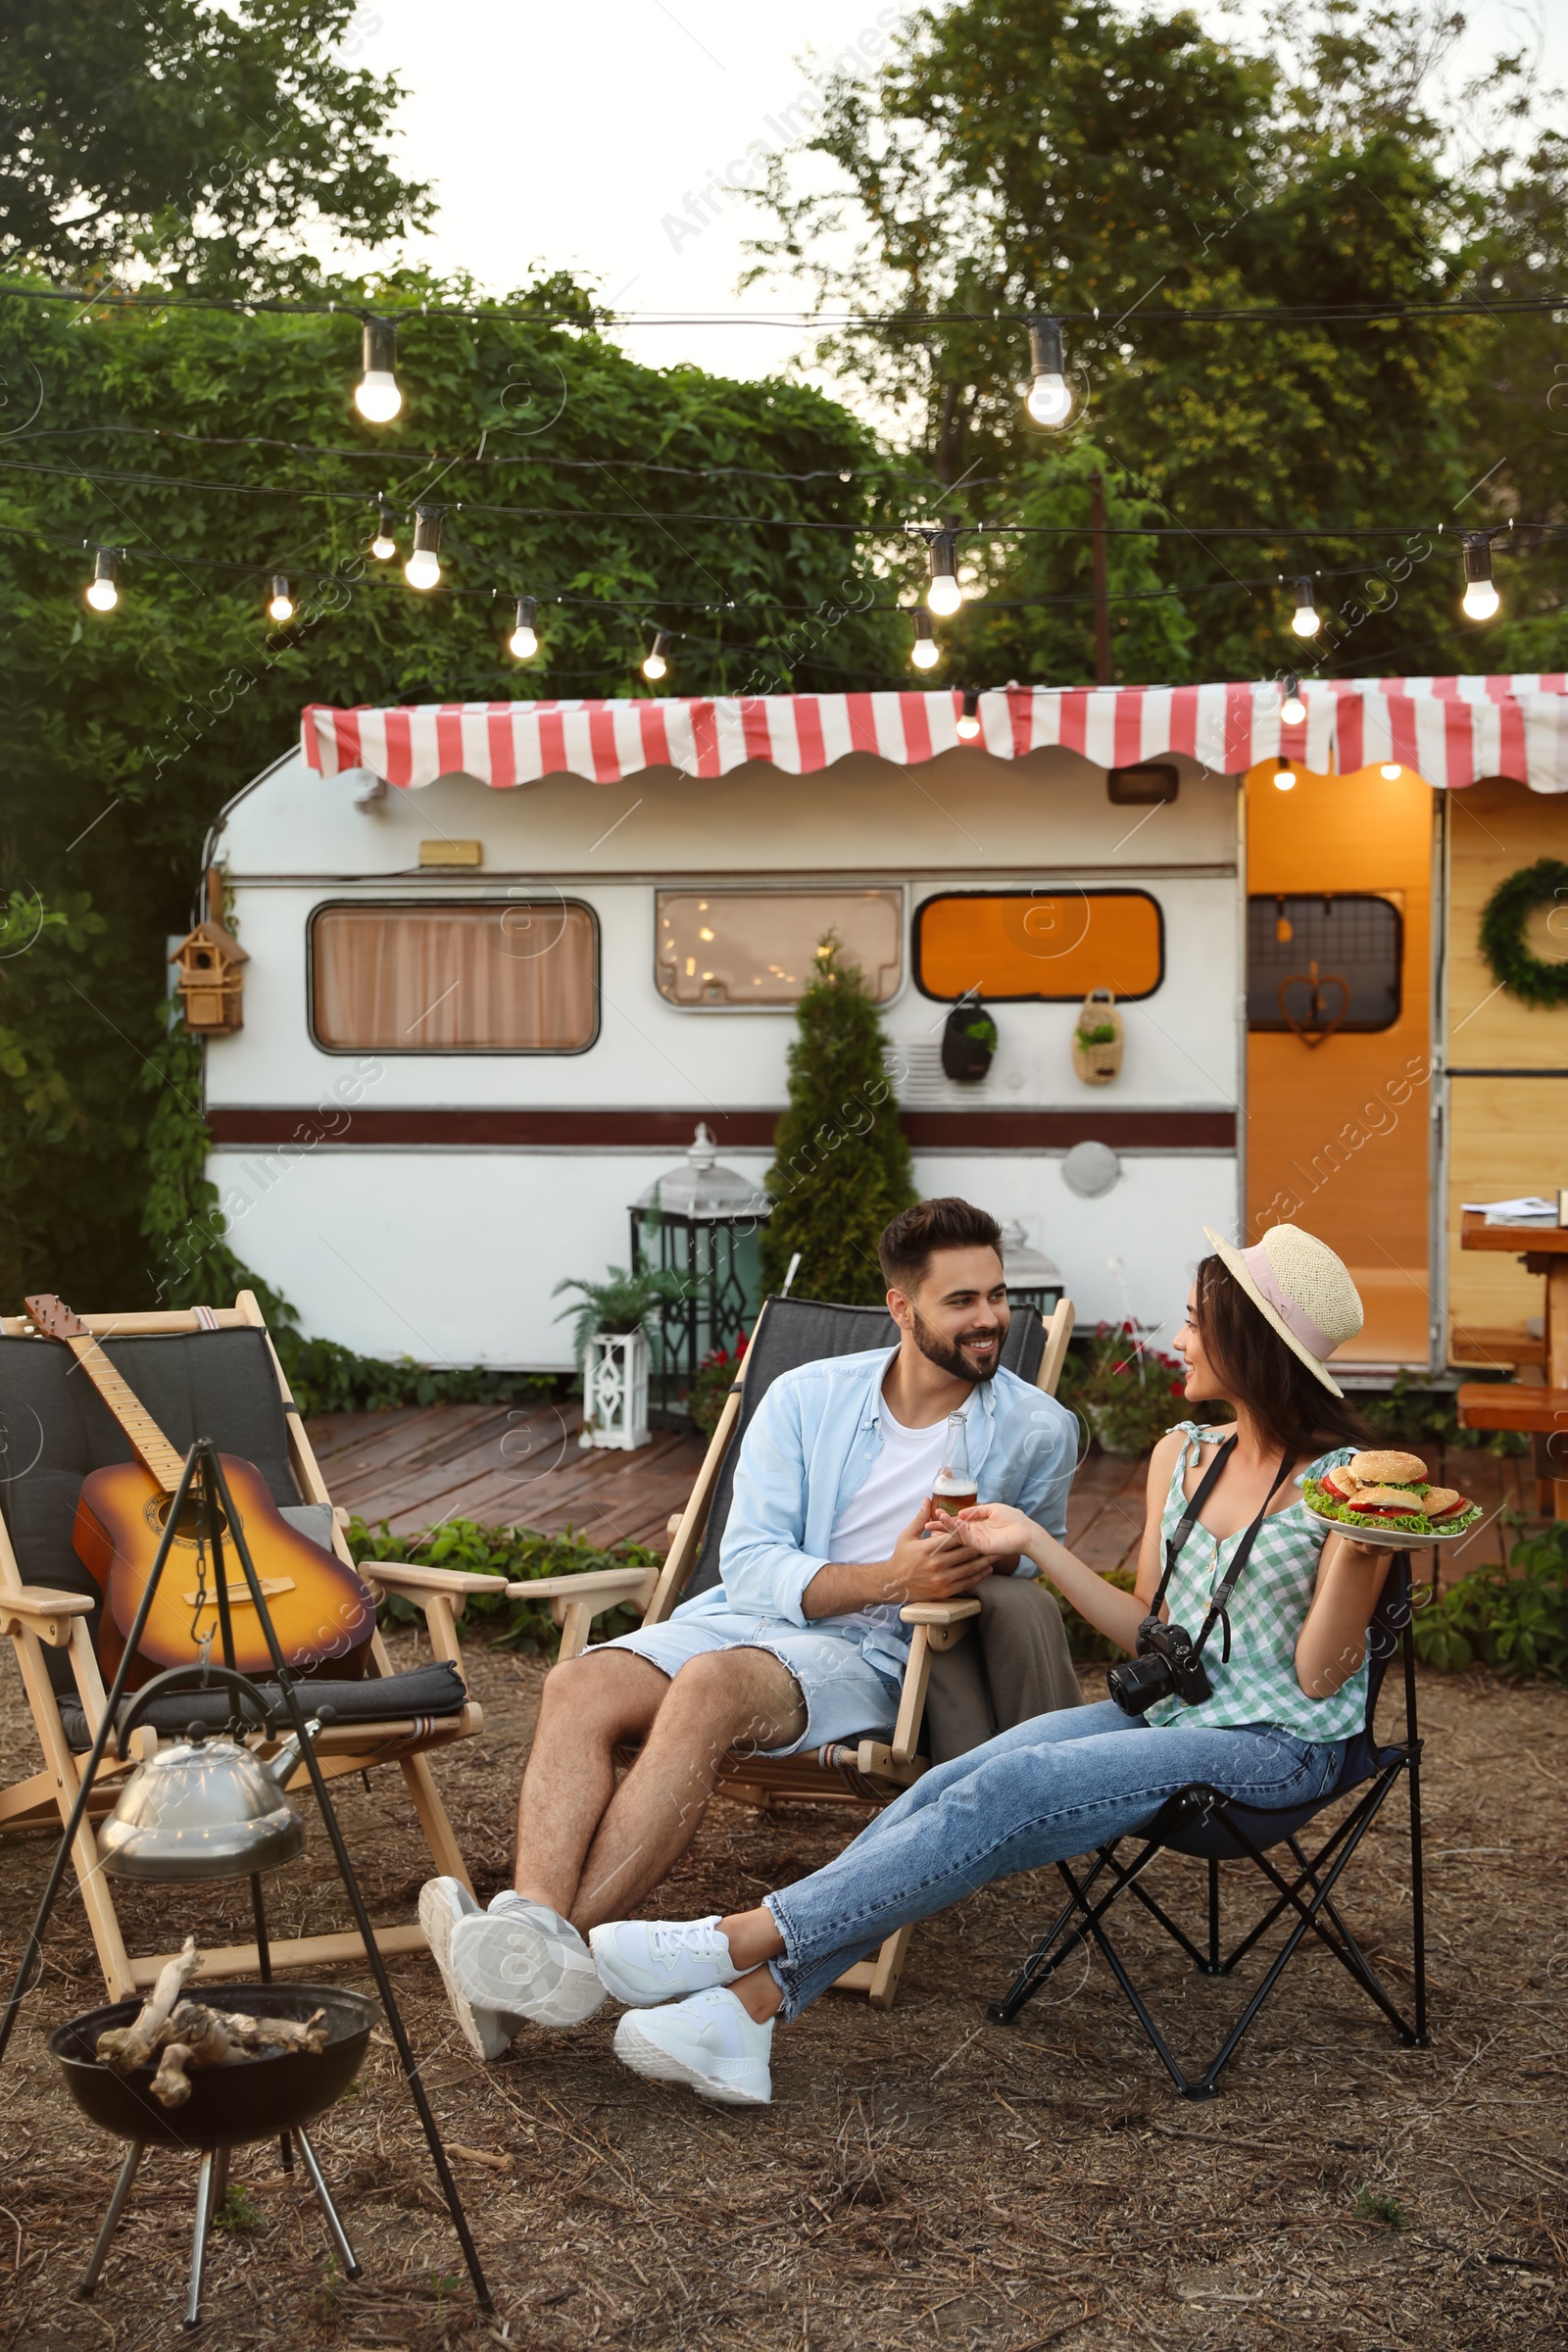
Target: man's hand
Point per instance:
(920, 1569)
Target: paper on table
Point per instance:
(1531, 1209)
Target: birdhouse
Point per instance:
(210, 983)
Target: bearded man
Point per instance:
(829, 1534)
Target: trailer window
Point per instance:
(760, 947)
(1050, 946)
(1325, 960)
(491, 976)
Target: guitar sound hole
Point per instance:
(196, 1519)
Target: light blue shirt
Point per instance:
(814, 1438)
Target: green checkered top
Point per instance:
(1267, 1611)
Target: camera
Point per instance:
(1165, 1663)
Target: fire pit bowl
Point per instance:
(277, 2090)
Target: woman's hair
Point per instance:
(1290, 1404)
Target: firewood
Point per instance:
(171, 2083)
(125, 2047)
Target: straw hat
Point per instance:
(1302, 1289)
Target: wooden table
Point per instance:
(1514, 1404)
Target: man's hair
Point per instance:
(906, 1249)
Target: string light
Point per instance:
(383, 546)
(424, 567)
(1049, 400)
(1481, 598)
(1390, 771)
(281, 607)
(969, 715)
(656, 665)
(925, 653)
(1306, 620)
(376, 395)
(1285, 777)
(944, 596)
(524, 639)
(1293, 710)
(102, 593)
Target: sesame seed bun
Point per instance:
(1388, 1469)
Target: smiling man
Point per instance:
(798, 1645)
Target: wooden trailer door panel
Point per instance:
(1339, 882)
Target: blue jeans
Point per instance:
(1060, 1784)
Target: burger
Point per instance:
(1390, 1491)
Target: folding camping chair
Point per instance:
(869, 1772)
(1210, 1827)
(208, 1373)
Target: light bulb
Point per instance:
(1481, 598)
(924, 653)
(376, 395)
(281, 607)
(1390, 771)
(383, 546)
(1285, 777)
(424, 567)
(945, 597)
(1293, 710)
(101, 594)
(970, 716)
(1049, 400)
(656, 666)
(525, 641)
(1304, 620)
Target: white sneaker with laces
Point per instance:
(646, 1962)
(524, 1958)
(710, 2042)
(488, 2032)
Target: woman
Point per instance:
(1286, 1664)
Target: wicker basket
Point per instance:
(1099, 1038)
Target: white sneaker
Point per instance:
(443, 1902)
(710, 2042)
(526, 1959)
(646, 1962)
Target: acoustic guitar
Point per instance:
(324, 1617)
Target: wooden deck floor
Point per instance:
(522, 1466)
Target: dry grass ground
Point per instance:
(923, 2178)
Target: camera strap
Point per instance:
(1218, 1606)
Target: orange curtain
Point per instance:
(494, 977)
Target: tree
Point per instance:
(841, 1165)
(212, 449)
(199, 142)
(1013, 156)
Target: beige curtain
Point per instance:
(502, 976)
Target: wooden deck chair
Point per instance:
(208, 1373)
(871, 1772)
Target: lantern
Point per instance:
(699, 1219)
(1032, 1279)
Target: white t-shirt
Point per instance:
(898, 1482)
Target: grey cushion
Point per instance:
(433, 1689)
(55, 1427)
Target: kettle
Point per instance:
(205, 1807)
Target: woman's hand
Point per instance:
(998, 1529)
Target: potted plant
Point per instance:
(610, 1341)
(968, 1041)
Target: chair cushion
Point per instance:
(804, 1331)
(435, 1690)
(1210, 1840)
(55, 1429)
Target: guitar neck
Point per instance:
(147, 1441)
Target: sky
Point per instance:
(596, 136)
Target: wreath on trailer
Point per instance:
(1515, 965)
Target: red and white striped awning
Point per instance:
(1450, 730)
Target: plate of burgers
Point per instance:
(1385, 1498)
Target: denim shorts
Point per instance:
(846, 1697)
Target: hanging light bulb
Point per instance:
(1304, 620)
(101, 594)
(1390, 771)
(1293, 710)
(376, 395)
(383, 546)
(281, 606)
(944, 595)
(524, 639)
(656, 666)
(924, 653)
(424, 567)
(1285, 777)
(1481, 598)
(969, 715)
(1049, 400)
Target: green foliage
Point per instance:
(1376, 2205)
(1513, 1619)
(1534, 979)
(239, 2214)
(841, 1165)
(506, 1553)
(1103, 1034)
(1126, 1396)
(625, 1300)
(716, 1376)
(1408, 1415)
(1085, 1642)
(204, 143)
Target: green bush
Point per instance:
(1407, 1414)
(506, 1553)
(1125, 1396)
(1085, 1642)
(716, 1376)
(1513, 1619)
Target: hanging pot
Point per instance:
(1099, 1038)
(203, 1808)
(968, 1041)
